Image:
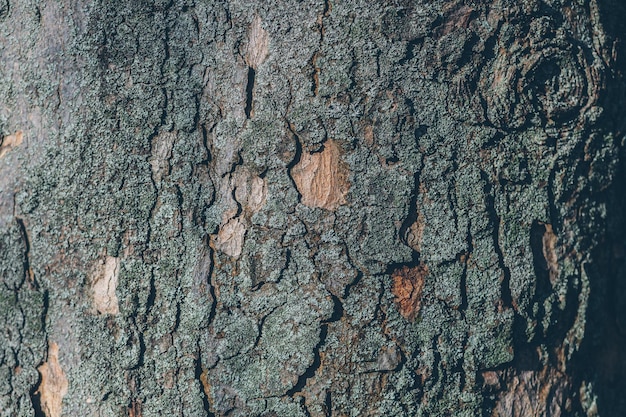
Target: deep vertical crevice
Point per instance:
(250, 92)
(411, 217)
(296, 157)
(30, 276)
(205, 144)
(298, 147)
(337, 310)
(151, 294)
(201, 378)
(310, 371)
(315, 81)
(463, 284)
(543, 288)
(355, 281)
(601, 358)
(35, 398)
(505, 288)
(44, 310)
(328, 404)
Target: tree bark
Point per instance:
(321, 208)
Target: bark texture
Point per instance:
(316, 208)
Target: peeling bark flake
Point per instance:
(230, 237)
(322, 178)
(256, 53)
(206, 385)
(258, 44)
(11, 141)
(104, 286)
(53, 386)
(258, 194)
(415, 233)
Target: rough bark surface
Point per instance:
(318, 208)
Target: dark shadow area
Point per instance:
(35, 397)
(602, 358)
(592, 381)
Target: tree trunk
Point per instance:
(339, 208)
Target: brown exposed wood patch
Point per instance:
(134, 410)
(535, 393)
(104, 286)
(407, 289)
(258, 44)
(549, 252)
(322, 177)
(456, 18)
(543, 242)
(246, 194)
(11, 141)
(533, 386)
(53, 386)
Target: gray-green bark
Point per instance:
(312, 208)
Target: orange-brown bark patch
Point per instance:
(206, 385)
(529, 388)
(408, 284)
(230, 237)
